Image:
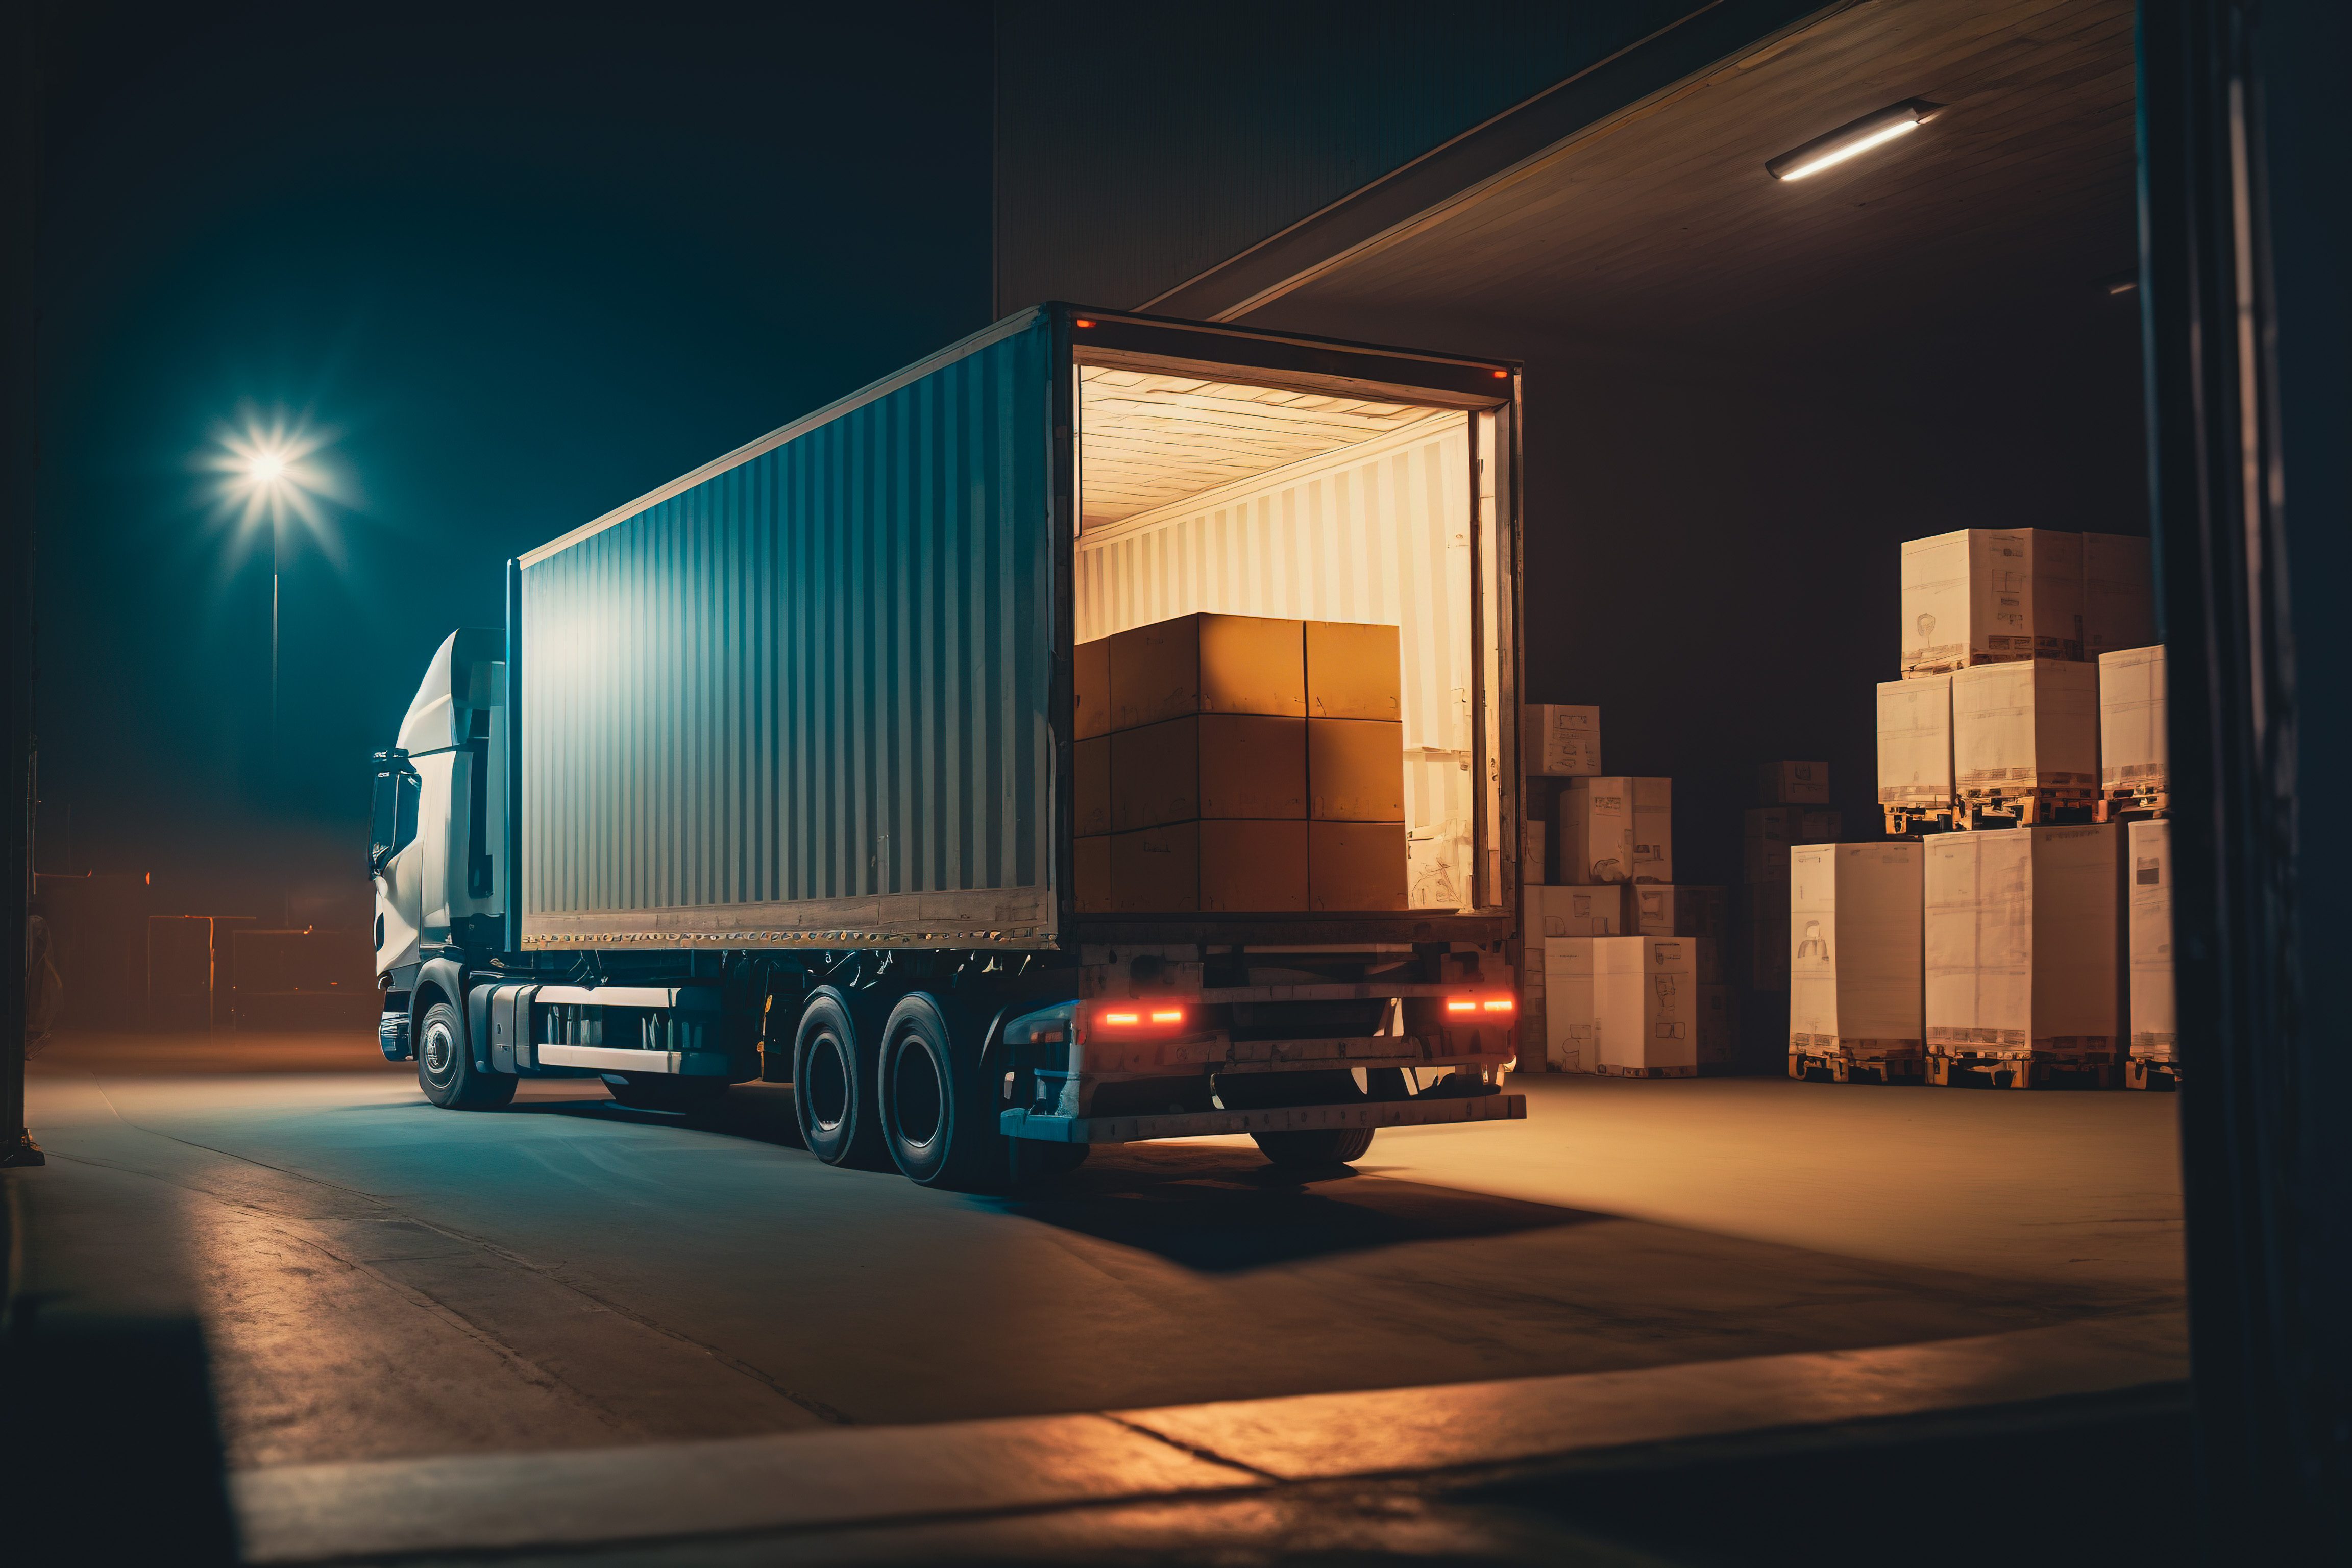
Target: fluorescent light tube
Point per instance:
(1852, 139)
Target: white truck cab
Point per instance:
(438, 839)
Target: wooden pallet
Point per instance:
(1903, 821)
(2132, 802)
(1844, 1067)
(1988, 810)
(1609, 1069)
(2022, 1070)
(2162, 1076)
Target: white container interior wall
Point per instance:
(1372, 525)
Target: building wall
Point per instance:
(1139, 145)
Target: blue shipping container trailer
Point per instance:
(1093, 732)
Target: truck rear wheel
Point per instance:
(832, 1098)
(445, 1065)
(1318, 1149)
(938, 1125)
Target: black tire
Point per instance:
(665, 1091)
(832, 1091)
(445, 1065)
(937, 1119)
(1318, 1149)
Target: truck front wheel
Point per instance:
(1316, 1149)
(445, 1065)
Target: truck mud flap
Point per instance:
(1020, 1124)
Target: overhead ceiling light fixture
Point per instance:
(1852, 139)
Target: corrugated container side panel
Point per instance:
(821, 674)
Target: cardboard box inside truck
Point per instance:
(1207, 765)
(1355, 770)
(2024, 942)
(1214, 866)
(1208, 664)
(1353, 671)
(1982, 595)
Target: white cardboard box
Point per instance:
(1532, 872)
(2023, 939)
(2133, 747)
(2148, 845)
(1914, 743)
(1980, 596)
(1569, 1019)
(1792, 783)
(1584, 911)
(1617, 829)
(1659, 909)
(2033, 725)
(1652, 1014)
(1560, 740)
(1854, 956)
(1771, 830)
(2118, 594)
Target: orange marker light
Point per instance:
(1499, 375)
(1082, 322)
(1499, 1004)
(1461, 1004)
(1167, 1015)
(1122, 1018)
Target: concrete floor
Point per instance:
(382, 1278)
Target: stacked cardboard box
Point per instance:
(1560, 740)
(1984, 596)
(1916, 788)
(1617, 829)
(2025, 738)
(1854, 964)
(1636, 1006)
(2024, 968)
(1551, 916)
(1771, 833)
(2154, 1049)
(2134, 747)
(1239, 763)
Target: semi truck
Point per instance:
(1098, 731)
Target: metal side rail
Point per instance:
(1289, 1119)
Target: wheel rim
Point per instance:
(916, 1104)
(440, 1049)
(827, 1090)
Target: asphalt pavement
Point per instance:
(381, 1279)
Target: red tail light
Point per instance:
(1499, 1005)
(1140, 1017)
(1461, 1004)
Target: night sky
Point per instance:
(525, 263)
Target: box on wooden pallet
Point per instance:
(1617, 829)
(2134, 748)
(1915, 745)
(1657, 909)
(1208, 663)
(2024, 943)
(1854, 957)
(2118, 594)
(2026, 727)
(1763, 935)
(1771, 830)
(1560, 740)
(1568, 1016)
(1982, 595)
(2148, 849)
(1245, 765)
(1792, 783)
(1659, 1010)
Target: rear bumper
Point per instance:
(1290, 1118)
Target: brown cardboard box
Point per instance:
(1355, 865)
(1156, 869)
(1090, 794)
(1792, 783)
(1091, 876)
(1208, 664)
(1207, 764)
(1659, 909)
(1353, 671)
(1355, 770)
(1259, 865)
(1090, 688)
